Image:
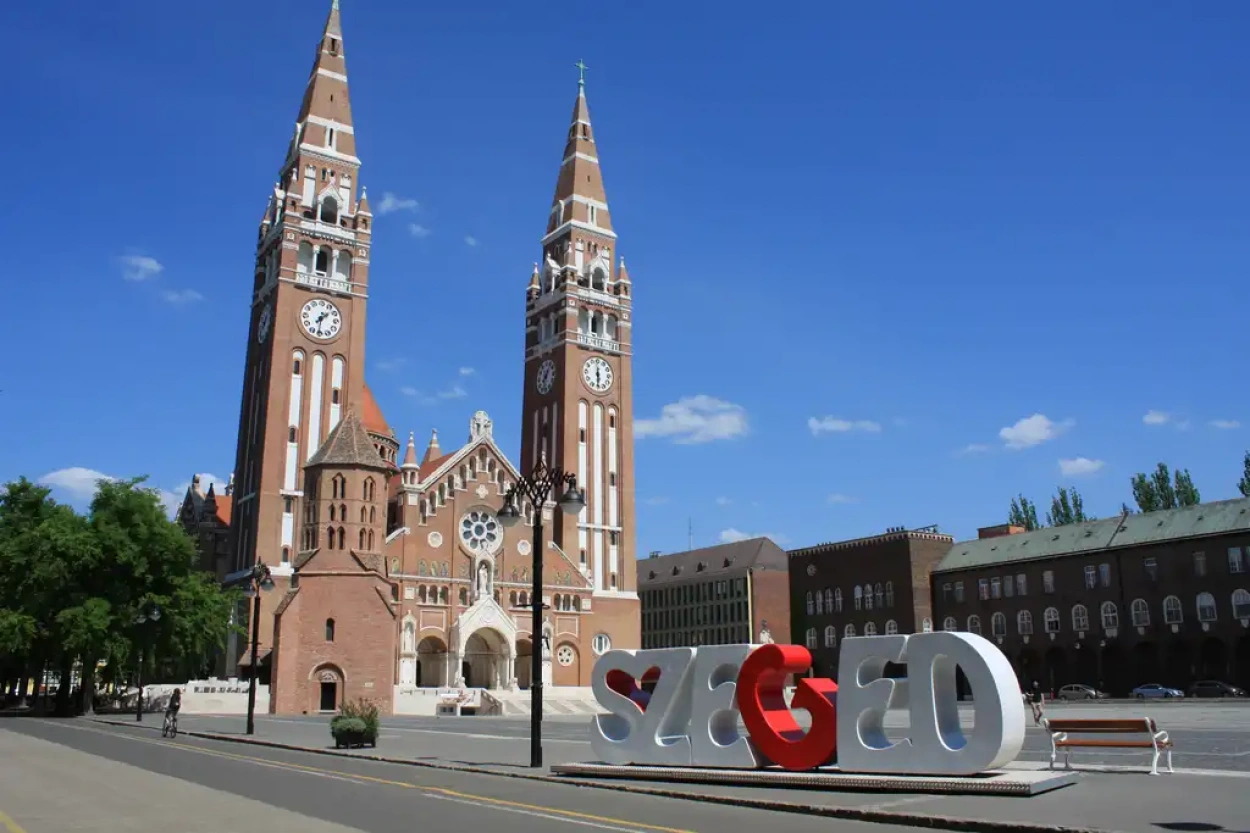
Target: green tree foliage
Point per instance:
(1067, 507)
(1243, 485)
(1163, 490)
(72, 586)
(1023, 513)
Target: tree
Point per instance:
(1023, 513)
(1243, 485)
(1162, 490)
(1067, 507)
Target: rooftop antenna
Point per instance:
(690, 533)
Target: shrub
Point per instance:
(364, 711)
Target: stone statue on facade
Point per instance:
(483, 580)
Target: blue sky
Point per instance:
(893, 263)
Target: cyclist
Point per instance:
(171, 711)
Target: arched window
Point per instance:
(329, 630)
(512, 598)
(368, 488)
(828, 600)
(343, 266)
(880, 594)
(442, 595)
(849, 630)
(870, 629)
(321, 263)
(464, 595)
(1206, 607)
(342, 511)
(1024, 623)
(1173, 612)
(1051, 616)
(811, 637)
(363, 514)
(820, 602)
(927, 625)
(304, 263)
(811, 603)
(974, 624)
(891, 627)
(1141, 613)
(859, 597)
(330, 211)
(831, 636)
(330, 538)
(837, 599)
(342, 539)
(333, 509)
(1110, 616)
(1241, 604)
(867, 597)
(1080, 618)
(421, 594)
(889, 594)
(371, 540)
(949, 624)
(998, 624)
(362, 539)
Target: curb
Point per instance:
(964, 825)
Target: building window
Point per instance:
(880, 594)
(289, 505)
(867, 597)
(870, 629)
(1024, 623)
(983, 589)
(891, 627)
(998, 624)
(1051, 618)
(1151, 568)
(946, 592)
(329, 630)
(889, 594)
(996, 588)
(1022, 585)
(1009, 587)
(1110, 616)
(811, 637)
(859, 597)
(848, 631)
(1206, 607)
(1236, 560)
(1141, 613)
(974, 624)
(828, 600)
(959, 591)
(286, 555)
(811, 604)
(1080, 618)
(612, 537)
(1048, 581)
(1200, 564)
(1091, 576)
(820, 603)
(1104, 574)
(837, 599)
(1241, 604)
(949, 624)
(612, 478)
(1173, 613)
(926, 626)
(831, 636)
(601, 644)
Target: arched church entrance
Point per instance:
(431, 671)
(485, 660)
(524, 656)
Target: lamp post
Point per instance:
(254, 581)
(148, 612)
(539, 487)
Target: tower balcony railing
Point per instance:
(323, 281)
(599, 342)
(328, 230)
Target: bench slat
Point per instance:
(1073, 725)
(1108, 744)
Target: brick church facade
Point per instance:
(393, 571)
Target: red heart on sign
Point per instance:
(625, 685)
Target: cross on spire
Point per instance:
(581, 72)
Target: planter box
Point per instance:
(354, 740)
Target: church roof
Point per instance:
(371, 415)
(349, 444)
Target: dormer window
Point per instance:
(334, 46)
(330, 210)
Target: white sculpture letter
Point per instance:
(714, 737)
(628, 734)
(864, 696)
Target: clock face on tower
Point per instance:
(321, 319)
(597, 374)
(546, 376)
(266, 321)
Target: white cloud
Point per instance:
(1225, 424)
(1032, 431)
(409, 390)
(1183, 425)
(467, 371)
(419, 231)
(392, 364)
(723, 501)
(173, 500)
(695, 419)
(1079, 466)
(974, 448)
(140, 267)
(455, 392)
(391, 203)
(76, 481)
(181, 297)
(655, 501)
(728, 536)
(841, 498)
(833, 425)
(1156, 418)
(470, 240)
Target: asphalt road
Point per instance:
(136, 777)
(1208, 735)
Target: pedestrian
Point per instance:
(1035, 703)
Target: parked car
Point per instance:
(1154, 691)
(1215, 688)
(1076, 691)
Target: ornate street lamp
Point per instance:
(539, 487)
(148, 612)
(254, 581)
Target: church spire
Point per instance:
(325, 115)
(580, 200)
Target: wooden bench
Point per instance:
(1155, 739)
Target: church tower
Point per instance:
(305, 356)
(578, 403)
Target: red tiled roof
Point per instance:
(225, 503)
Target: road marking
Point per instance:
(9, 825)
(552, 813)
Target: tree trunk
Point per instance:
(22, 683)
(88, 685)
(63, 688)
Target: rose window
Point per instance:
(481, 531)
(564, 655)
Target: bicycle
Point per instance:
(170, 728)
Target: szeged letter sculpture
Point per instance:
(691, 717)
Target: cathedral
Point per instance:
(394, 574)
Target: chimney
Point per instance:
(999, 531)
(653, 554)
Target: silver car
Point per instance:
(1154, 691)
(1076, 691)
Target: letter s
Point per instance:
(771, 725)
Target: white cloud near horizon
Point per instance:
(181, 297)
(834, 425)
(467, 371)
(77, 481)
(140, 267)
(418, 231)
(391, 364)
(1079, 466)
(470, 240)
(1153, 417)
(974, 448)
(695, 419)
(391, 203)
(1033, 430)
(731, 535)
(1225, 424)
